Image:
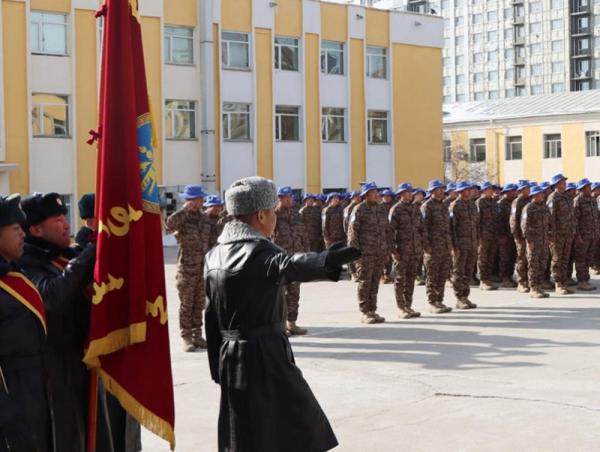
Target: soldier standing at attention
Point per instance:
(561, 232)
(488, 235)
(191, 229)
(418, 199)
(355, 200)
(311, 217)
(515, 228)
(507, 250)
(451, 195)
(387, 201)
(289, 235)
(535, 220)
(437, 246)
(587, 231)
(213, 208)
(332, 219)
(406, 228)
(572, 192)
(464, 226)
(368, 231)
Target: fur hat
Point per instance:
(250, 195)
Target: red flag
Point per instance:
(129, 338)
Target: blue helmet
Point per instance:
(419, 190)
(582, 183)
(523, 184)
(571, 186)
(387, 192)
(333, 194)
(405, 186)
(193, 192)
(545, 185)
(213, 201)
(557, 178)
(509, 187)
(595, 185)
(487, 184)
(285, 191)
(536, 190)
(450, 187)
(462, 186)
(367, 187)
(308, 196)
(434, 184)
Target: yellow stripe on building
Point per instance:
(357, 117)
(236, 15)
(313, 113)
(264, 102)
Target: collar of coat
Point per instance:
(238, 231)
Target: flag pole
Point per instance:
(92, 412)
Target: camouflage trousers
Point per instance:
(387, 268)
(521, 262)
(368, 272)
(584, 254)
(561, 253)
(537, 256)
(405, 273)
(487, 255)
(315, 244)
(507, 253)
(292, 298)
(462, 270)
(437, 266)
(192, 301)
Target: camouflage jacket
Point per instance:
(368, 230)
(503, 223)
(464, 223)
(406, 228)
(515, 216)
(289, 233)
(562, 219)
(216, 227)
(587, 217)
(488, 218)
(348, 213)
(311, 217)
(535, 220)
(333, 224)
(436, 231)
(192, 232)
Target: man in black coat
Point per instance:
(266, 405)
(24, 411)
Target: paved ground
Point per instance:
(514, 375)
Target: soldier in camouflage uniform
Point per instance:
(191, 229)
(572, 192)
(464, 228)
(332, 219)
(355, 200)
(587, 233)
(488, 235)
(451, 195)
(290, 235)
(507, 250)
(311, 217)
(213, 207)
(515, 228)
(418, 199)
(535, 221)
(406, 229)
(368, 231)
(561, 232)
(387, 201)
(437, 246)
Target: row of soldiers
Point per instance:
(44, 320)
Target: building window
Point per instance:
(558, 87)
(537, 90)
(447, 151)
(479, 96)
(514, 148)
(332, 57)
(556, 24)
(378, 127)
(49, 115)
(493, 95)
(179, 45)
(236, 121)
(477, 18)
(181, 119)
(287, 54)
(235, 51)
(536, 49)
(477, 149)
(48, 33)
(287, 123)
(376, 62)
(536, 69)
(552, 146)
(478, 77)
(558, 67)
(333, 124)
(557, 46)
(592, 142)
(535, 27)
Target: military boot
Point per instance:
(378, 318)
(509, 283)
(538, 293)
(368, 318)
(420, 281)
(585, 285)
(464, 303)
(563, 290)
(414, 313)
(487, 285)
(199, 342)
(547, 285)
(295, 330)
(188, 344)
(496, 279)
(405, 313)
(522, 288)
(439, 308)
(386, 280)
(571, 282)
(474, 281)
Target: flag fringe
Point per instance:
(143, 415)
(113, 342)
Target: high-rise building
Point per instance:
(506, 48)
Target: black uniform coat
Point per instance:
(24, 411)
(266, 405)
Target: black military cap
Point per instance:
(10, 210)
(40, 206)
(87, 206)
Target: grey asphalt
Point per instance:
(516, 374)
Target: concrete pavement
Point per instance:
(516, 374)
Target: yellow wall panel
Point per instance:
(417, 79)
(357, 112)
(181, 12)
(62, 6)
(16, 102)
(378, 28)
(217, 106)
(533, 149)
(313, 113)
(153, 57)
(573, 151)
(264, 102)
(86, 98)
(494, 154)
(288, 18)
(334, 22)
(236, 15)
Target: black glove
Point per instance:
(339, 254)
(15, 434)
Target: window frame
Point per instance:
(589, 144)
(278, 124)
(170, 37)
(371, 117)
(370, 55)
(226, 116)
(41, 106)
(226, 54)
(277, 47)
(511, 142)
(325, 52)
(552, 146)
(40, 29)
(193, 125)
(325, 135)
(474, 145)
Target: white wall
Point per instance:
(550, 167)
(237, 161)
(335, 165)
(182, 162)
(380, 165)
(52, 165)
(513, 171)
(289, 164)
(592, 168)
(51, 74)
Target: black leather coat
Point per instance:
(266, 405)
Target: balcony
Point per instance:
(579, 8)
(519, 40)
(581, 53)
(517, 2)
(519, 81)
(519, 20)
(581, 31)
(519, 61)
(581, 75)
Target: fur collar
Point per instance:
(238, 231)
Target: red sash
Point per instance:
(60, 262)
(19, 287)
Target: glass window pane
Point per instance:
(55, 38)
(238, 55)
(240, 127)
(235, 36)
(50, 18)
(35, 38)
(289, 128)
(183, 50)
(289, 58)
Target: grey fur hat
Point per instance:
(250, 195)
